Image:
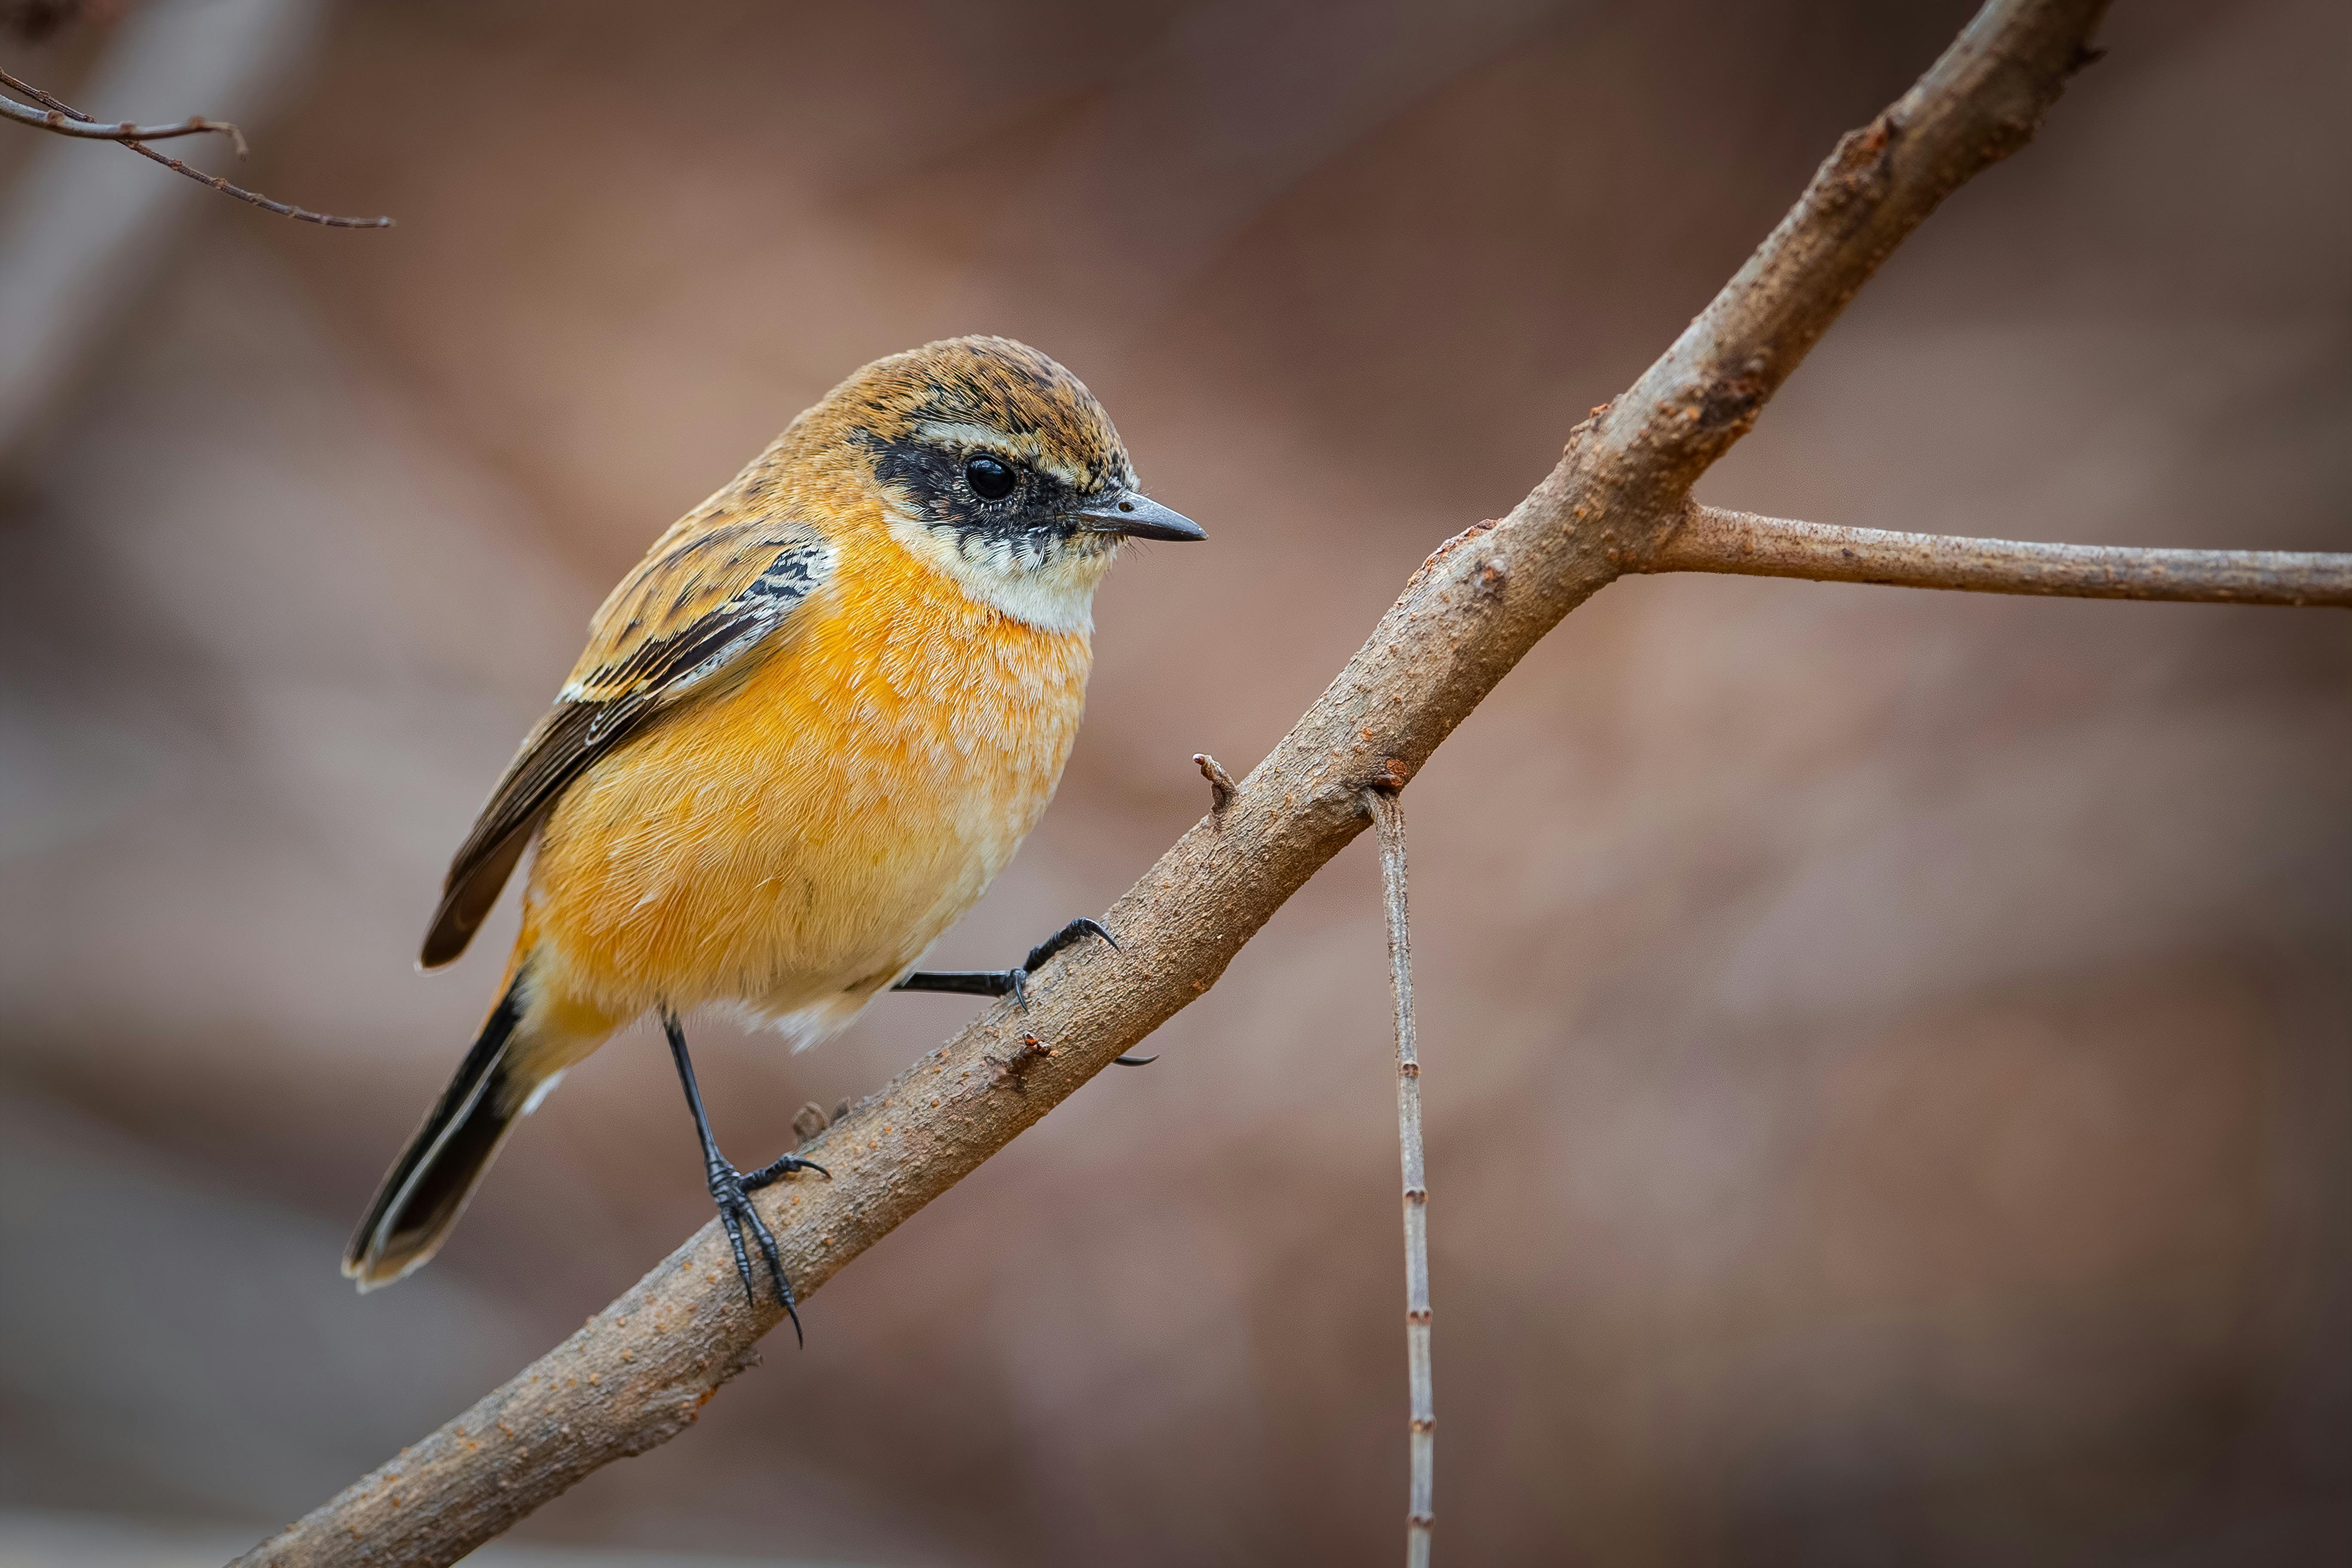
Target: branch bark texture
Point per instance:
(638, 1372)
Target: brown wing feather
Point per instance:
(703, 598)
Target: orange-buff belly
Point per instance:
(791, 843)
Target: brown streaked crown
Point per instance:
(985, 384)
(917, 421)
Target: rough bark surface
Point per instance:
(637, 1372)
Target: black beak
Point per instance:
(1138, 516)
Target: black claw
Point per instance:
(776, 1170)
(776, 1268)
(1067, 936)
(1132, 1061)
(736, 1213)
(743, 1260)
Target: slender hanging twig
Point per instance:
(128, 135)
(1388, 817)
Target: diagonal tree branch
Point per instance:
(637, 1374)
(1710, 539)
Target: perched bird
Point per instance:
(808, 731)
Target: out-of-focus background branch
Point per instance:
(58, 116)
(80, 240)
(1885, 1050)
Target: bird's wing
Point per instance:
(702, 599)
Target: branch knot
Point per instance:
(1221, 788)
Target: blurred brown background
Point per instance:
(1887, 1053)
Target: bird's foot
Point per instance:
(1012, 982)
(731, 1189)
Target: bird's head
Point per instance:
(998, 467)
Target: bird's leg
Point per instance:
(729, 1187)
(1012, 982)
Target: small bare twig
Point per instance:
(15, 84)
(57, 121)
(1221, 782)
(129, 136)
(1710, 539)
(1421, 1518)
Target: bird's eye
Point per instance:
(990, 479)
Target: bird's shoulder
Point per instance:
(710, 586)
(711, 593)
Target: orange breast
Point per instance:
(792, 842)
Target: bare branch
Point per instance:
(128, 135)
(1421, 1516)
(1710, 539)
(56, 120)
(637, 1374)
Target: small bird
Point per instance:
(808, 731)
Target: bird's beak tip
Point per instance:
(1138, 516)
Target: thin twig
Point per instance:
(57, 121)
(640, 1371)
(14, 84)
(1710, 539)
(1421, 1517)
(300, 214)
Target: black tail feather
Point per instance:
(427, 1186)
